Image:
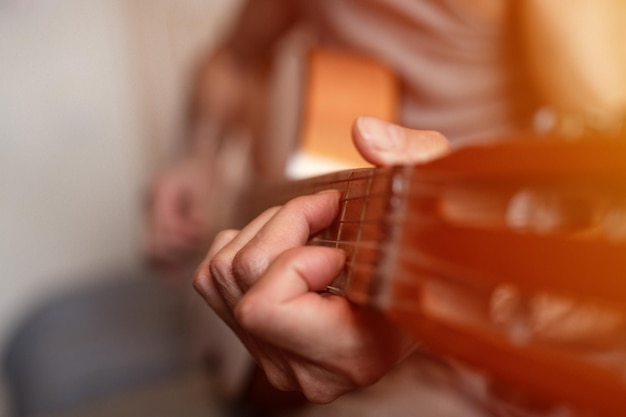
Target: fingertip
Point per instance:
(331, 193)
(333, 261)
(316, 211)
(288, 293)
(383, 143)
(372, 138)
(202, 275)
(301, 270)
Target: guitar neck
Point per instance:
(455, 252)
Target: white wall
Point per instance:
(89, 102)
(70, 168)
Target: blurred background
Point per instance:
(93, 102)
(90, 105)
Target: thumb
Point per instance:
(383, 143)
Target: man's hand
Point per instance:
(181, 208)
(268, 286)
(178, 216)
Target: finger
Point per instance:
(203, 280)
(291, 226)
(222, 239)
(221, 261)
(267, 356)
(383, 143)
(205, 285)
(295, 275)
(285, 308)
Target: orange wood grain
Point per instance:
(339, 88)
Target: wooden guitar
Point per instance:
(510, 257)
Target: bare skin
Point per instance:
(228, 98)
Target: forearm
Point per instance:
(228, 85)
(259, 26)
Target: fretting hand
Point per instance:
(266, 284)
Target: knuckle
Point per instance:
(249, 264)
(202, 279)
(220, 267)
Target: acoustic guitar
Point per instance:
(508, 257)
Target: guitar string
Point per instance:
(359, 229)
(340, 282)
(364, 175)
(423, 190)
(405, 257)
(417, 189)
(343, 213)
(402, 277)
(354, 244)
(439, 269)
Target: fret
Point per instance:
(381, 285)
(340, 283)
(344, 210)
(359, 231)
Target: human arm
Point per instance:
(224, 109)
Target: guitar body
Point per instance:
(335, 88)
(510, 258)
(339, 88)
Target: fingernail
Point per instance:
(330, 191)
(380, 135)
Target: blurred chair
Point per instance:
(94, 343)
